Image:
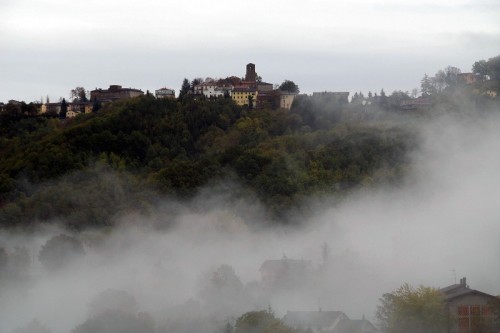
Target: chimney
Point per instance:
(463, 282)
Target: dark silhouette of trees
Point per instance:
(79, 94)
(480, 67)
(289, 86)
(185, 88)
(64, 109)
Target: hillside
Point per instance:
(148, 148)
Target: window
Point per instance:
(473, 318)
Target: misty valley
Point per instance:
(202, 215)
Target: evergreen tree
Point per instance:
(184, 88)
(426, 86)
(64, 109)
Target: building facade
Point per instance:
(165, 93)
(241, 96)
(286, 100)
(114, 93)
(468, 310)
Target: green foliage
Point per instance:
(413, 310)
(260, 322)
(86, 170)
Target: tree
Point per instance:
(480, 67)
(451, 78)
(382, 101)
(196, 81)
(64, 109)
(79, 94)
(412, 310)
(250, 101)
(414, 93)
(426, 86)
(184, 88)
(439, 81)
(223, 291)
(59, 251)
(260, 322)
(494, 67)
(289, 86)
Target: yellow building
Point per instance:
(241, 96)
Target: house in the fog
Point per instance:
(286, 271)
(327, 322)
(468, 309)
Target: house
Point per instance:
(265, 87)
(165, 93)
(468, 309)
(286, 271)
(73, 109)
(241, 95)
(212, 89)
(416, 104)
(468, 78)
(286, 99)
(52, 109)
(72, 114)
(327, 322)
(357, 326)
(114, 93)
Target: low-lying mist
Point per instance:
(203, 269)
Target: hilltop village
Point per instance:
(248, 91)
(251, 92)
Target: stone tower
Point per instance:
(251, 75)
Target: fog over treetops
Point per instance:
(440, 221)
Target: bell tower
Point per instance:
(251, 75)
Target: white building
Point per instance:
(165, 93)
(212, 89)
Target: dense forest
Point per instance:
(131, 154)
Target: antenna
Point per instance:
(454, 272)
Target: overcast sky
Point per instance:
(48, 47)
